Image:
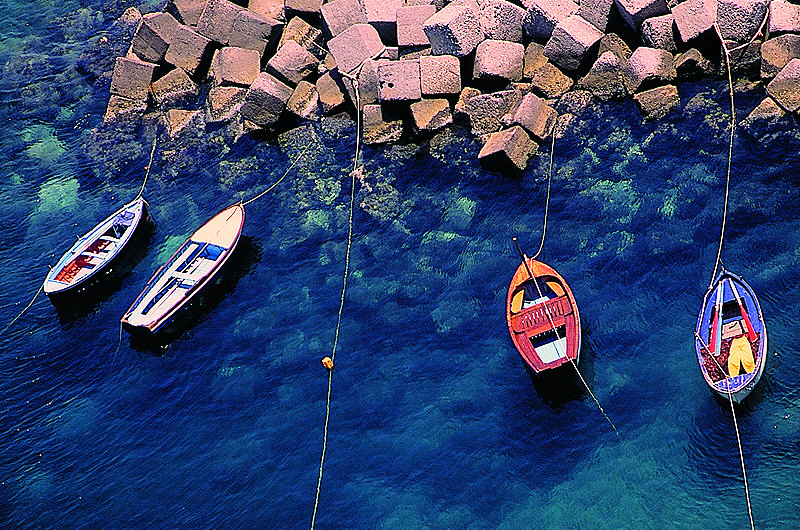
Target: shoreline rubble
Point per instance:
(416, 66)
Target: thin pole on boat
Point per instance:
(558, 338)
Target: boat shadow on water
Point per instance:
(78, 303)
(242, 261)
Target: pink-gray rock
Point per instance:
(598, 12)
(784, 17)
(253, 31)
(431, 114)
(216, 21)
(265, 100)
(440, 75)
(634, 12)
(131, 78)
(657, 102)
(302, 33)
(648, 67)
(544, 15)
(176, 121)
(605, 78)
(235, 66)
(694, 17)
(511, 148)
(304, 101)
(409, 24)
(461, 108)
(745, 60)
(224, 102)
(571, 43)
(613, 43)
(187, 50)
(382, 15)
(502, 20)
(399, 80)
(486, 111)
(534, 59)
(173, 87)
(331, 95)
(153, 36)
(121, 107)
(355, 45)
(292, 63)
(691, 65)
(499, 59)
(186, 11)
(778, 51)
(338, 15)
(785, 87)
(739, 20)
(268, 8)
(455, 30)
(368, 89)
(377, 129)
(550, 82)
(658, 32)
(766, 118)
(308, 7)
(536, 116)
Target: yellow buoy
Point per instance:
(327, 362)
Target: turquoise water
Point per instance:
(435, 421)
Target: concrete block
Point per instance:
(767, 118)
(535, 116)
(455, 30)
(235, 66)
(253, 31)
(534, 59)
(739, 20)
(268, 8)
(544, 15)
(399, 80)
(634, 12)
(694, 17)
(784, 17)
(502, 20)
(186, 11)
(376, 129)
(499, 59)
(224, 102)
(292, 63)
(657, 102)
(265, 100)
(440, 75)
(785, 87)
(173, 87)
(153, 36)
(692, 65)
(121, 107)
(409, 24)
(550, 82)
(777, 52)
(176, 121)
(304, 101)
(431, 114)
(659, 32)
(308, 7)
(187, 50)
(613, 43)
(338, 15)
(331, 93)
(355, 45)
(508, 149)
(606, 78)
(302, 33)
(598, 12)
(486, 111)
(131, 78)
(572, 42)
(648, 67)
(216, 20)
(382, 15)
(461, 108)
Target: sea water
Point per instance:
(435, 421)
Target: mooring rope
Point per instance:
(149, 165)
(353, 174)
(296, 159)
(24, 309)
(547, 200)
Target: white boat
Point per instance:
(185, 274)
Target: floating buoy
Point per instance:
(327, 362)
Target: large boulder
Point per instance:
(502, 20)
(306, 7)
(153, 36)
(784, 17)
(440, 75)
(766, 119)
(292, 63)
(302, 33)
(598, 12)
(648, 67)
(399, 80)
(173, 87)
(739, 20)
(692, 65)
(186, 11)
(187, 50)
(224, 102)
(377, 129)
(785, 88)
(694, 17)
(382, 15)
(274, 9)
(431, 114)
(499, 59)
(410, 19)
(534, 59)
(331, 95)
(776, 52)
(265, 100)
(338, 15)
(304, 102)
(634, 12)
(544, 15)
(131, 78)
(659, 32)
(353, 46)
(508, 149)
(657, 102)
(549, 81)
(253, 31)
(235, 66)
(572, 42)
(121, 108)
(175, 121)
(606, 78)
(487, 110)
(455, 30)
(535, 115)
(216, 21)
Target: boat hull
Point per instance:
(543, 318)
(186, 273)
(729, 336)
(93, 252)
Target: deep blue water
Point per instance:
(435, 421)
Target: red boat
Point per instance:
(542, 316)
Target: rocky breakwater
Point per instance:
(517, 72)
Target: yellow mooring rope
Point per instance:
(353, 174)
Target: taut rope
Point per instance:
(296, 159)
(547, 200)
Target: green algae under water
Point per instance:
(435, 421)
